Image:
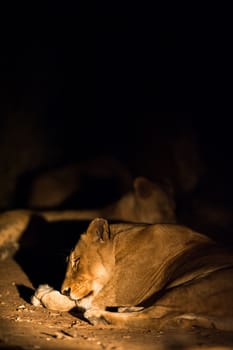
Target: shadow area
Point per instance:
(25, 292)
(44, 247)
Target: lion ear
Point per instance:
(98, 230)
(143, 187)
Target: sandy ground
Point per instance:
(24, 326)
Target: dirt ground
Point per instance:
(24, 326)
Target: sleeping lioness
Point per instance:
(146, 202)
(146, 275)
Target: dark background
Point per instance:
(79, 80)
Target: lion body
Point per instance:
(154, 275)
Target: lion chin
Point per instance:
(147, 275)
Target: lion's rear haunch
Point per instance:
(177, 275)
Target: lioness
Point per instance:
(152, 275)
(147, 202)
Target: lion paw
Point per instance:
(43, 289)
(95, 316)
(51, 299)
(130, 309)
(192, 320)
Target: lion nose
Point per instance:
(66, 291)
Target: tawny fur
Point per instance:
(156, 276)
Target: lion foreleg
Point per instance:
(153, 317)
